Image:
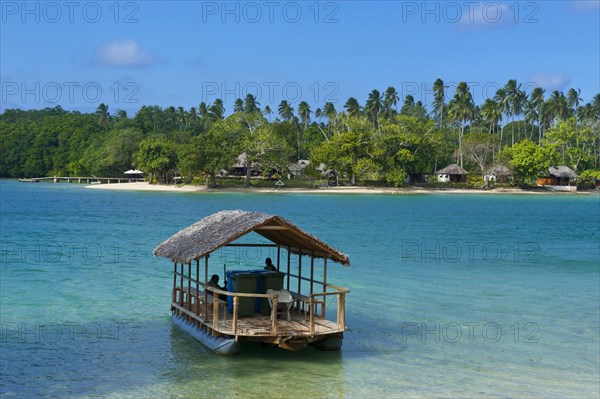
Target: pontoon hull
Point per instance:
(219, 345)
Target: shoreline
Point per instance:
(145, 186)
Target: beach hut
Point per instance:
(291, 308)
(560, 178)
(451, 173)
(240, 166)
(331, 175)
(134, 175)
(497, 173)
(297, 168)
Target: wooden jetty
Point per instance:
(79, 179)
(308, 311)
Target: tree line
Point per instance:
(384, 139)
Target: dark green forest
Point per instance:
(385, 139)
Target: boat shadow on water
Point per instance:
(259, 370)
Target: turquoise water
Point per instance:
(452, 296)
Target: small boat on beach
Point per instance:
(290, 307)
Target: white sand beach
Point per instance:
(145, 186)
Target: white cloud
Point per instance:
(485, 15)
(124, 53)
(548, 81)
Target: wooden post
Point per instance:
(299, 277)
(324, 288)
(274, 316)
(312, 270)
(311, 313)
(189, 279)
(215, 313)
(181, 285)
(341, 316)
(288, 267)
(205, 308)
(278, 255)
(174, 295)
(198, 287)
(236, 300)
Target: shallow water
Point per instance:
(452, 296)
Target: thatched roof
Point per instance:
(499, 170)
(453, 169)
(222, 228)
(562, 171)
(298, 166)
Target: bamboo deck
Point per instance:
(260, 325)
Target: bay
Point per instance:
(451, 296)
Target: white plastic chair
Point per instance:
(284, 300)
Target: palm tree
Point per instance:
(268, 111)
(319, 114)
(520, 99)
(461, 109)
(330, 112)
(503, 101)
(390, 99)
(103, 116)
(121, 115)
(559, 107)
(238, 106)
(352, 107)
(490, 111)
(408, 106)
(285, 110)
(192, 117)
(439, 97)
(419, 111)
(304, 112)
(596, 106)
(217, 110)
(250, 104)
(512, 97)
(204, 115)
(170, 118)
(181, 117)
(373, 107)
(585, 113)
(536, 103)
(573, 99)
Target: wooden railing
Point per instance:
(188, 298)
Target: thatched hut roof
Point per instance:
(222, 228)
(499, 170)
(562, 171)
(452, 169)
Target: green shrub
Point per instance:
(396, 177)
(587, 179)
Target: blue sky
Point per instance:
(133, 53)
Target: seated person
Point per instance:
(214, 283)
(269, 265)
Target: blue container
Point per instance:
(242, 281)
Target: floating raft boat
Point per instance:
(290, 307)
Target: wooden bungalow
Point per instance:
(497, 173)
(241, 165)
(452, 173)
(290, 308)
(560, 178)
(297, 168)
